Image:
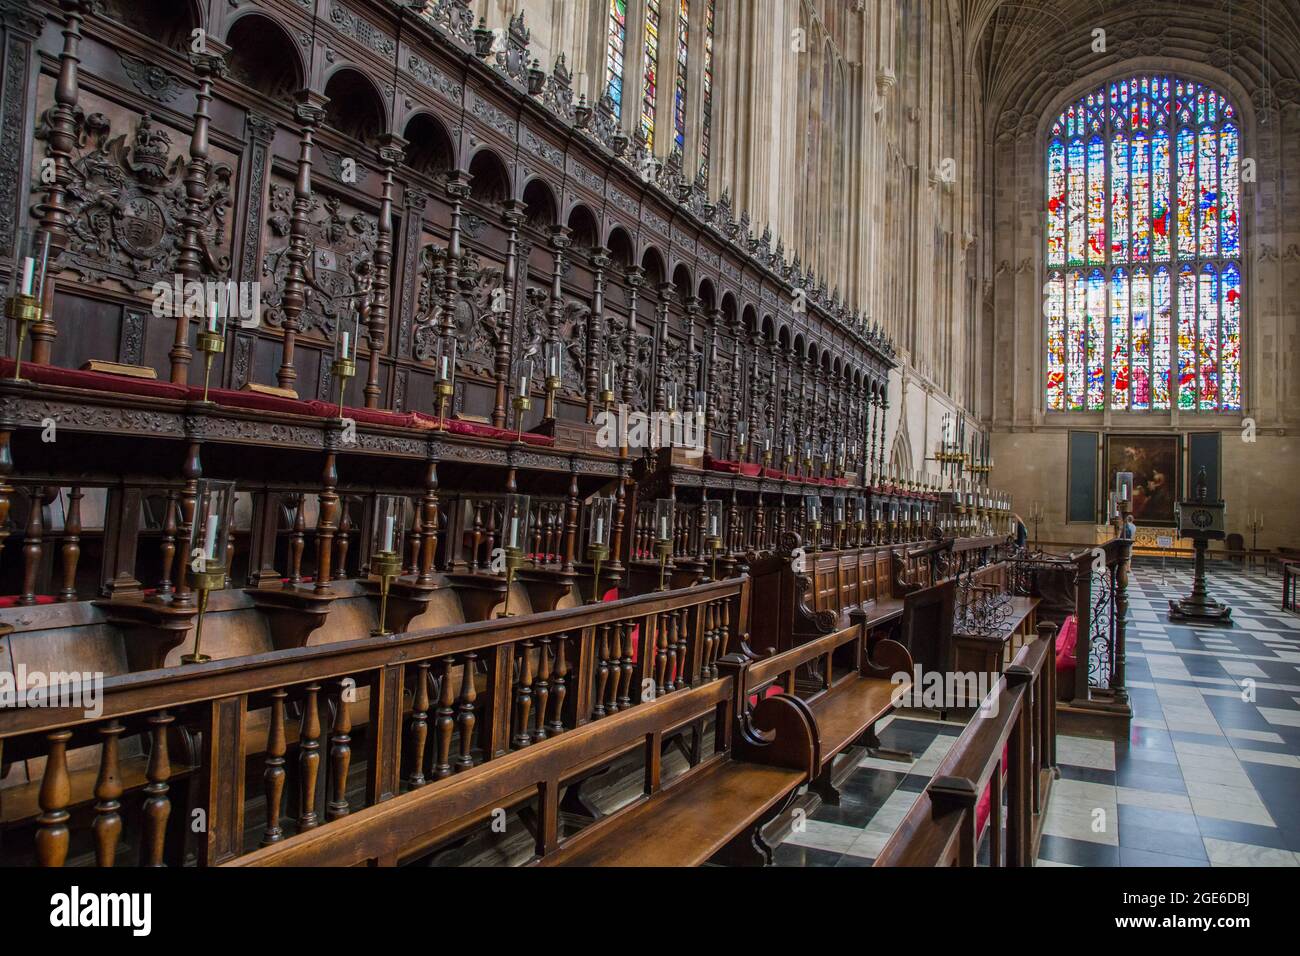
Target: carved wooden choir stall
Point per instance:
(314, 322)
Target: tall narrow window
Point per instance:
(679, 90)
(616, 48)
(650, 71)
(706, 90)
(1143, 299)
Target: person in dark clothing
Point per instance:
(1022, 533)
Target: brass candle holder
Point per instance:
(514, 561)
(596, 553)
(25, 310)
(211, 344)
(443, 389)
(663, 548)
(521, 404)
(24, 303)
(211, 578)
(664, 524)
(208, 538)
(343, 369)
(386, 566)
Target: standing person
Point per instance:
(1130, 529)
(1022, 533)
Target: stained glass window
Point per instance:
(616, 50)
(679, 87)
(706, 89)
(650, 71)
(1144, 284)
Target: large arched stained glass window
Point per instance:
(1143, 297)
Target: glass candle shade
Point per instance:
(713, 521)
(210, 533)
(446, 360)
(600, 521)
(554, 364)
(664, 508)
(515, 523)
(812, 509)
(390, 526)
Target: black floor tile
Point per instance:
(789, 854)
(1078, 852)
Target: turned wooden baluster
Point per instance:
(413, 541)
(309, 759)
(326, 524)
(625, 685)
(684, 632)
(673, 677)
(298, 540)
(559, 686)
(465, 719)
(167, 544)
(602, 671)
(615, 667)
(429, 526)
(477, 536)
(524, 694)
(157, 808)
(724, 631)
(56, 791)
(661, 653)
(419, 730)
(33, 546)
(341, 542)
(107, 828)
(71, 553)
(274, 774)
(446, 721)
(542, 687)
(709, 640)
(340, 750)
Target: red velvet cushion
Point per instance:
(1067, 658)
(236, 398)
(773, 473)
(12, 600)
(367, 416)
(719, 464)
(95, 381)
(459, 426)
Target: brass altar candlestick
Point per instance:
(209, 534)
(812, 509)
(599, 516)
(344, 366)
(517, 519)
(663, 536)
(713, 532)
(523, 400)
(211, 341)
(554, 376)
(24, 304)
(444, 386)
(386, 566)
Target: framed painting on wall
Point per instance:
(1154, 462)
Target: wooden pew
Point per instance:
(715, 810)
(1018, 719)
(848, 684)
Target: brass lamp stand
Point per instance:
(521, 403)
(25, 310)
(663, 548)
(596, 553)
(514, 561)
(386, 566)
(342, 370)
(211, 578)
(443, 389)
(211, 344)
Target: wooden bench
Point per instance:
(847, 683)
(1011, 750)
(714, 810)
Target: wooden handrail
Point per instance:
(941, 827)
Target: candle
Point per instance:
(663, 527)
(514, 531)
(345, 345)
(210, 539)
(600, 529)
(388, 533)
(212, 316)
(446, 362)
(713, 525)
(29, 276)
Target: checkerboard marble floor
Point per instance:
(1210, 773)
